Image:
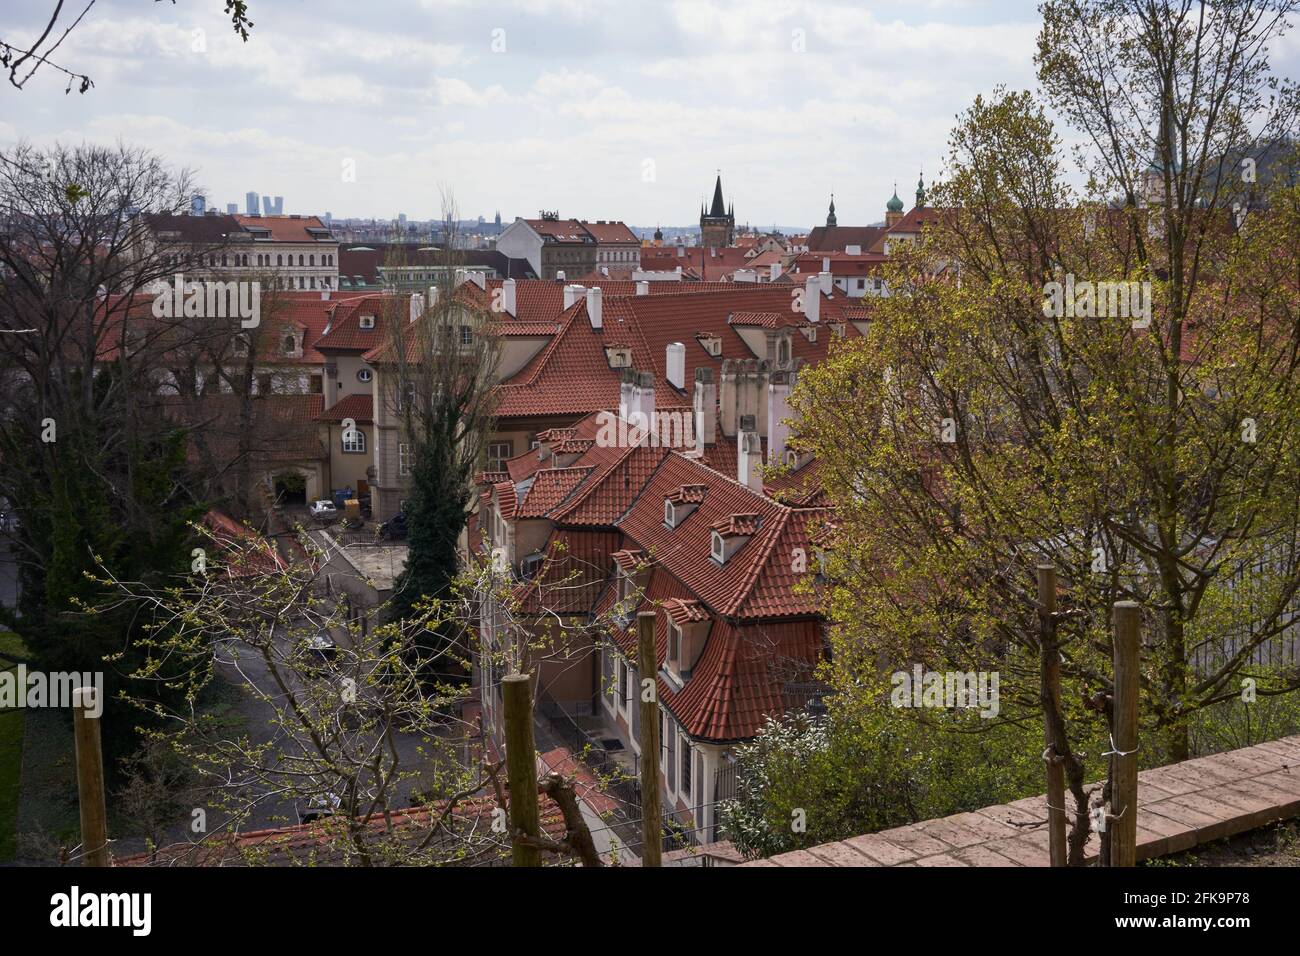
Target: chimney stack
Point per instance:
(509, 298)
(594, 308)
(774, 271)
(749, 455)
(778, 410)
(706, 408)
(432, 297)
(812, 299)
(572, 293)
(727, 398)
(642, 287)
(675, 363)
(827, 281)
(417, 305)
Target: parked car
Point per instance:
(323, 509)
(394, 527)
(322, 648)
(318, 806)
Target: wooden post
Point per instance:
(1050, 692)
(1123, 793)
(521, 768)
(647, 666)
(90, 778)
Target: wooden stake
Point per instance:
(647, 667)
(1050, 692)
(90, 778)
(521, 768)
(1123, 793)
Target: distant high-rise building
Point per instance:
(251, 203)
(272, 207)
(197, 204)
(232, 209)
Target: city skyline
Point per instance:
(519, 105)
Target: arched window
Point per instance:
(300, 258)
(290, 345)
(354, 441)
(279, 260)
(311, 260)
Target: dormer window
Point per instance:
(710, 343)
(367, 321)
(681, 502)
(730, 535)
(783, 351)
(718, 548)
(290, 345)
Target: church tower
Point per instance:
(893, 208)
(830, 216)
(718, 225)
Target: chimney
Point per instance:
(706, 408)
(812, 299)
(509, 300)
(675, 363)
(828, 283)
(559, 275)
(572, 293)
(478, 278)
(749, 455)
(432, 298)
(826, 263)
(778, 409)
(727, 398)
(417, 305)
(646, 397)
(325, 295)
(594, 308)
(627, 393)
(642, 287)
(751, 392)
(774, 271)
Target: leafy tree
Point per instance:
(1151, 454)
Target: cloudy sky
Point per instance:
(601, 109)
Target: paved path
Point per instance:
(1179, 806)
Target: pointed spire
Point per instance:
(718, 209)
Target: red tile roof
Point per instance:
(287, 228)
(550, 487)
(360, 408)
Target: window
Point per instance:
(498, 453)
(403, 459)
(623, 688)
(670, 518)
(717, 548)
(671, 761)
(466, 335)
(364, 375)
(290, 345)
(354, 441)
(675, 645)
(686, 769)
(367, 321)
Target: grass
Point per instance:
(12, 725)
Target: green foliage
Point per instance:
(877, 769)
